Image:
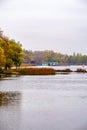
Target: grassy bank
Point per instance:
(27, 71)
(35, 71)
(79, 70)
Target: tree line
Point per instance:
(40, 57)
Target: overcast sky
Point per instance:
(59, 25)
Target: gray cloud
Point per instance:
(84, 1)
(3, 1)
(49, 24)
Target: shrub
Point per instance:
(65, 70)
(7, 72)
(79, 70)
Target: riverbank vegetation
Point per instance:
(28, 71)
(12, 55)
(38, 71)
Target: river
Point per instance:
(55, 102)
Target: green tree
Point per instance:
(2, 58)
(4, 43)
(15, 52)
(12, 52)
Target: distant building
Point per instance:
(54, 63)
(45, 64)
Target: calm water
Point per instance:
(57, 102)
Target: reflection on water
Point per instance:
(10, 110)
(7, 98)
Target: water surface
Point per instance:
(57, 102)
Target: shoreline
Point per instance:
(38, 71)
